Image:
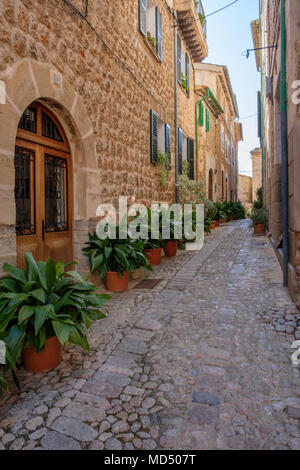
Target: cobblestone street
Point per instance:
(202, 361)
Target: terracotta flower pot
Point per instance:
(213, 225)
(223, 221)
(154, 256)
(259, 229)
(47, 359)
(230, 219)
(115, 283)
(217, 223)
(171, 248)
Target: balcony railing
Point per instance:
(192, 25)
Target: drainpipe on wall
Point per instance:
(261, 130)
(196, 124)
(176, 108)
(284, 140)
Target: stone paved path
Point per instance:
(202, 361)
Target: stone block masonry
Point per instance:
(193, 364)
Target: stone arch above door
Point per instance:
(26, 82)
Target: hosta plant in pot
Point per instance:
(211, 213)
(259, 219)
(171, 232)
(44, 307)
(152, 243)
(115, 259)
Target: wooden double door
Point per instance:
(43, 188)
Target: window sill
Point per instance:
(151, 49)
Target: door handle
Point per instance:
(43, 230)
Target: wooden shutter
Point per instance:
(179, 60)
(168, 143)
(201, 113)
(187, 72)
(153, 137)
(143, 16)
(180, 151)
(207, 120)
(191, 158)
(158, 32)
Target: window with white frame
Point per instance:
(150, 24)
(183, 66)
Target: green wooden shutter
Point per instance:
(191, 158)
(179, 60)
(187, 72)
(168, 143)
(158, 32)
(207, 120)
(201, 119)
(180, 139)
(153, 137)
(143, 17)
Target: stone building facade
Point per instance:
(256, 157)
(245, 191)
(266, 34)
(101, 74)
(90, 91)
(219, 133)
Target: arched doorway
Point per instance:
(43, 187)
(210, 185)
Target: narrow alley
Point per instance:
(201, 361)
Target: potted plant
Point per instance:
(259, 219)
(211, 213)
(171, 245)
(115, 259)
(44, 307)
(152, 245)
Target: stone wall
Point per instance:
(272, 134)
(245, 191)
(103, 101)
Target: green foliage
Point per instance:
(163, 165)
(10, 364)
(190, 191)
(184, 82)
(211, 210)
(258, 204)
(202, 19)
(259, 216)
(230, 209)
(115, 255)
(152, 40)
(42, 301)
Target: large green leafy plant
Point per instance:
(115, 254)
(42, 301)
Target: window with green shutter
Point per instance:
(201, 118)
(191, 158)
(207, 120)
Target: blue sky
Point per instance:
(229, 34)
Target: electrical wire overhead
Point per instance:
(209, 14)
